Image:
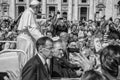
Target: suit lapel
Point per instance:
(42, 66)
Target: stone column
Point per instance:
(109, 9)
(115, 10)
(27, 3)
(59, 6)
(88, 9)
(44, 7)
(12, 8)
(76, 10)
(91, 10)
(0, 9)
(70, 10)
(95, 3)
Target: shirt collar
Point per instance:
(42, 59)
(31, 10)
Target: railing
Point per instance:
(8, 46)
(7, 41)
(68, 79)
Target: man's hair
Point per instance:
(42, 41)
(110, 60)
(113, 34)
(92, 75)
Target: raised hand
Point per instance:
(12, 76)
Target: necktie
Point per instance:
(47, 69)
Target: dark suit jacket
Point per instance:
(62, 68)
(35, 70)
(56, 69)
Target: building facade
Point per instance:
(70, 9)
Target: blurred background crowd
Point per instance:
(82, 40)
(81, 32)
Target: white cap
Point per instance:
(34, 2)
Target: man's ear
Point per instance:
(40, 48)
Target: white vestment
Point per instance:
(29, 31)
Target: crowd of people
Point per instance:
(8, 32)
(89, 50)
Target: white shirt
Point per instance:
(42, 59)
(44, 62)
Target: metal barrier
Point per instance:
(10, 62)
(8, 41)
(68, 79)
(7, 46)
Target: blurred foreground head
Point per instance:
(92, 75)
(110, 61)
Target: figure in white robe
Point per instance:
(29, 33)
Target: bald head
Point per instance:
(57, 43)
(64, 36)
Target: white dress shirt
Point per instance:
(42, 59)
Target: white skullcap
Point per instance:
(73, 43)
(34, 2)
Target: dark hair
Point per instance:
(110, 60)
(113, 34)
(58, 12)
(42, 41)
(111, 19)
(92, 75)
